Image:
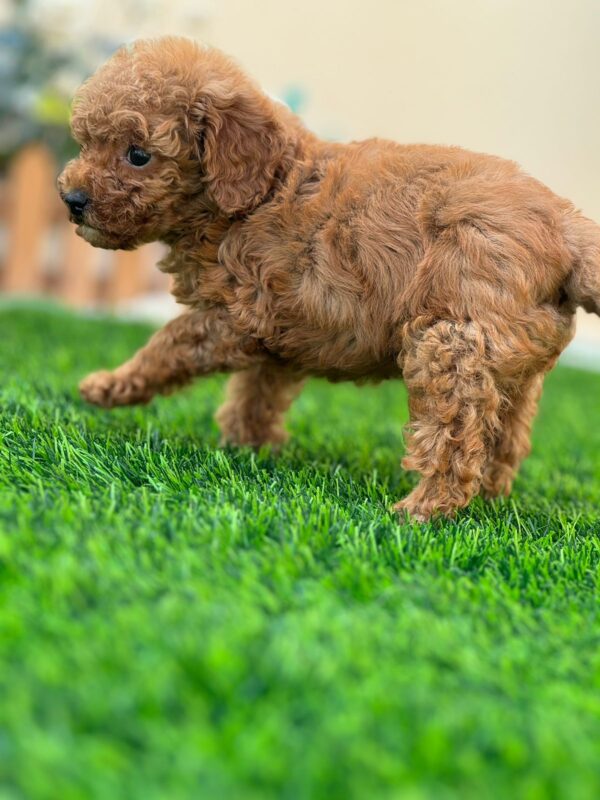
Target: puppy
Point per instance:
(361, 261)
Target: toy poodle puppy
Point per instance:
(363, 261)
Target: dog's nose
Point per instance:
(77, 201)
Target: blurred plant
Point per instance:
(36, 84)
(47, 47)
(295, 97)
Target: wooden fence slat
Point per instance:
(43, 253)
(31, 175)
(78, 277)
(129, 276)
(157, 281)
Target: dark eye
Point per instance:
(137, 156)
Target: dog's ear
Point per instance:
(241, 144)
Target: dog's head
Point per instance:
(170, 132)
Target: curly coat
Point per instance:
(361, 261)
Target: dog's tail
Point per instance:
(582, 237)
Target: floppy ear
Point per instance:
(242, 146)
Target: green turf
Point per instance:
(179, 621)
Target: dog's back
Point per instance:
(367, 236)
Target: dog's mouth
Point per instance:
(99, 238)
(92, 235)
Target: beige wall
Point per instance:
(519, 78)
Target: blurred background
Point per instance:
(514, 78)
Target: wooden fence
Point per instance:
(40, 254)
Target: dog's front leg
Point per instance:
(257, 399)
(195, 343)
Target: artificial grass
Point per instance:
(180, 621)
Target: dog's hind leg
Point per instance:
(514, 439)
(454, 404)
(257, 399)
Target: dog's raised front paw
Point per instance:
(109, 389)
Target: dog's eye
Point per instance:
(137, 156)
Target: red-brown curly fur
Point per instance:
(296, 257)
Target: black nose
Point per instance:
(77, 201)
